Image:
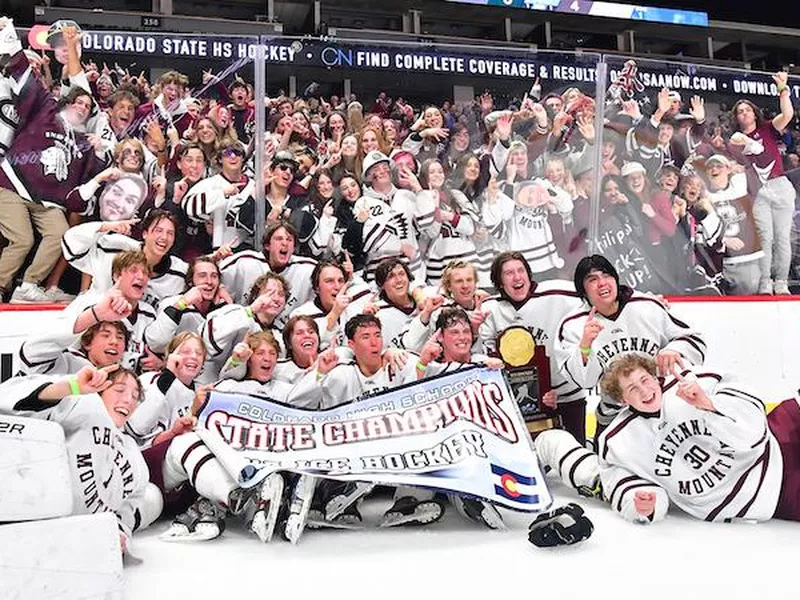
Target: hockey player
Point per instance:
(696, 439)
(91, 248)
(259, 352)
(333, 295)
(189, 459)
(123, 302)
(448, 350)
(227, 326)
(168, 394)
(277, 256)
(538, 307)
(396, 303)
(368, 374)
(65, 352)
(189, 310)
(613, 320)
(107, 470)
(458, 290)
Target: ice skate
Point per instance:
(411, 511)
(299, 505)
(477, 510)
(351, 494)
(563, 526)
(201, 522)
(595, 490)
(349, 519)
(270, 495)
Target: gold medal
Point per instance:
(517, 347)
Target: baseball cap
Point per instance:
(372, 159)
(630, 168)
(718, 158)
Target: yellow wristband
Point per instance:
(585, 351)
(181, 304)
(420, 366)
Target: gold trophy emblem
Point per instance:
(528, 375)
(517, 347)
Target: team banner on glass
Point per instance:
(459, 433)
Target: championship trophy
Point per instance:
(527, 373)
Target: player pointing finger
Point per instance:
(591, 329)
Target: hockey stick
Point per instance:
(244, 473)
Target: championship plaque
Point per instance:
(528, 375)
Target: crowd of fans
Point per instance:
(387, 226)
(687, 205)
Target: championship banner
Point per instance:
(457, 433)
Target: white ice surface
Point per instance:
(679, 558)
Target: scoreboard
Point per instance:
(603, 9)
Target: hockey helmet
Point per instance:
(373, 158)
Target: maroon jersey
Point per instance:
(48, 157)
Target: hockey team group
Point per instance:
(132, 359)
(669, 432)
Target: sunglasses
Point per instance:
(285, 167)
(230, 152)
(126, 152)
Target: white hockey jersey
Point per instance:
(394, 320)
(524, 229)
(642, 325)
(541, 314)
(135, 323)
(92, 251)
(221, 331)
(396, 213)
(448, 241)
(715, 465)
(346, 383)
(206, 202)
(241, 270)
(54, 353)
(107, 470)
(166, 399)
(170, 321)
(418, 333)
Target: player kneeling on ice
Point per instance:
(448, 350)
(697, 439)
(370, 372)
(107, 470)
(189, 458)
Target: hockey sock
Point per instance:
(189, 458)
(559, 450)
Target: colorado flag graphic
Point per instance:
(513, 486)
